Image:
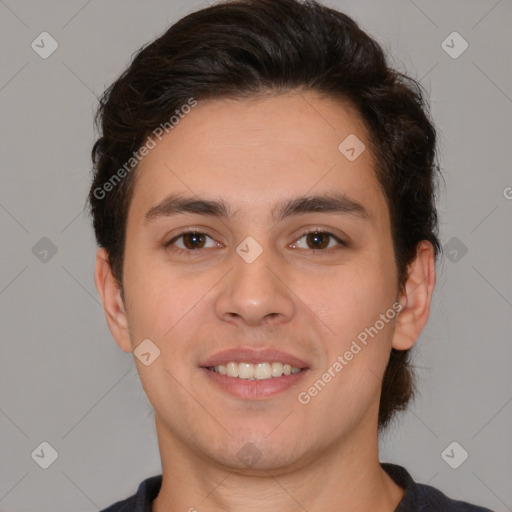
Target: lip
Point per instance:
(253, 356)
(254, 389)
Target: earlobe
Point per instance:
(416, 298)
(111, 298)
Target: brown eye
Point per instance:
(190, 241)
(193, 240)
(319, 240)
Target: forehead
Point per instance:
(254, 152)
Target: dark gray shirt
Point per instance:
(417, 497)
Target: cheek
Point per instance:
(361, 315)
(153, 301)
(167, 305)
(352, 298)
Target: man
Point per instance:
(263, 201)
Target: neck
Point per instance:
(347, 476)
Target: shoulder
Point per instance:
(436, 500)
(141, 501)
(422, 497)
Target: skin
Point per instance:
(254, 154)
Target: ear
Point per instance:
(416, 297)
(113, 305)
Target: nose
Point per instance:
(256, 293)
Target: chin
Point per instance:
(255, 451)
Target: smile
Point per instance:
(259, 371)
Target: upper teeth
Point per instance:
(254, 371)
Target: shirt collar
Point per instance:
(148, 489)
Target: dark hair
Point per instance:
(244, 48)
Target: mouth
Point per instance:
(258, 371)
(252, 374)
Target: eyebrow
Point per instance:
(326, 203)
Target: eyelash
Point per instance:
(190, 252)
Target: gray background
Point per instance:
(63, 379)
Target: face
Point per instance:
(262, 276)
